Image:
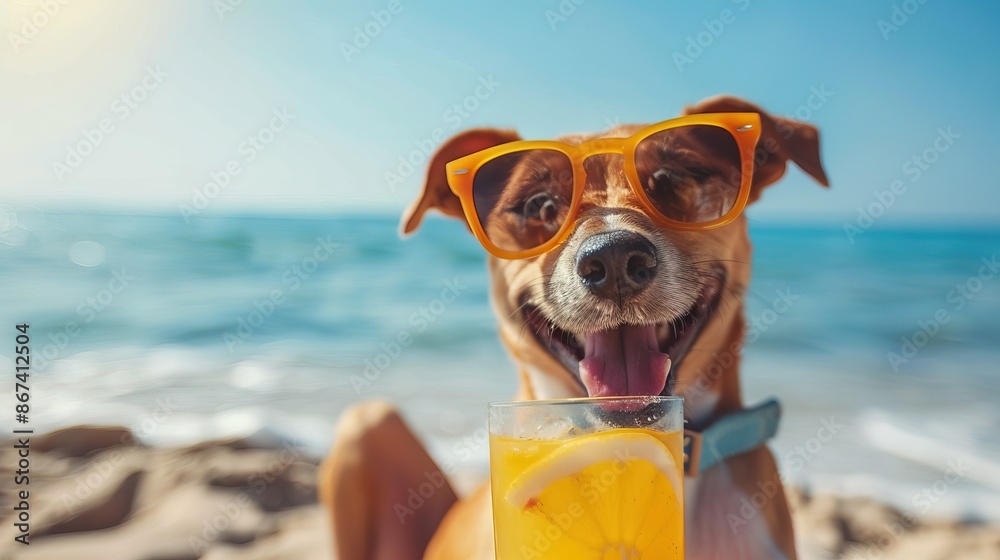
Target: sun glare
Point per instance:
(50, 35)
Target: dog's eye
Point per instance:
(662, 177)
(668, 177)
(540, 206)
(678, 191)
(667, 181)
(691, 195)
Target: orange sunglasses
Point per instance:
(690, 173)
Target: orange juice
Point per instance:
(611, 495)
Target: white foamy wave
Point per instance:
(257, 426)
(893, 436)
(933, 500)
(925, 465)
(174, 396)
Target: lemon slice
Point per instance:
(578, 454)
(613, 495)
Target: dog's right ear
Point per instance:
(436, 192)
(782, 140)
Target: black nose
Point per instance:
(616, 265)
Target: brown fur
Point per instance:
(376, 459)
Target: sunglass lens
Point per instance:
(522, 198)
(691, 174)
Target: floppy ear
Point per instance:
(436, 192)
(781, 140)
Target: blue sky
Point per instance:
(198, 81)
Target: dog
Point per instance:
(673, 298)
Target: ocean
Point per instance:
(884, 355)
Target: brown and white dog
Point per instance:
(688, 305)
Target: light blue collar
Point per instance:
(730, 435)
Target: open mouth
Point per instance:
(629, 360)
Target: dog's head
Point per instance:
(622, 301)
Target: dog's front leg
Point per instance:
(367, 484)
(737, 511)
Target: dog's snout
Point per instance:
(616, 265)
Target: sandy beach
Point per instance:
(97, 493)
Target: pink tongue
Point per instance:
(624, 361)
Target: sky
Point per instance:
(222, 106)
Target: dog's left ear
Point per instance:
(781, 140)
(436, 192)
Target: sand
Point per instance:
(95, 493)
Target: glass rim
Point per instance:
(649, 399)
